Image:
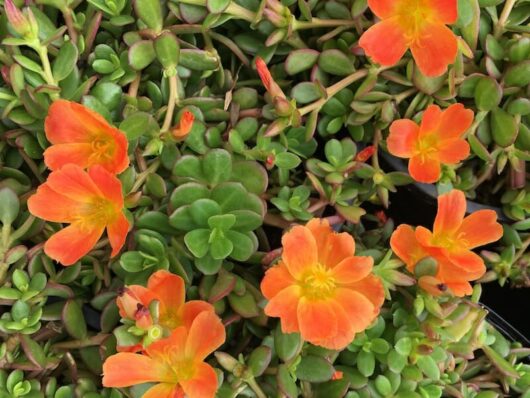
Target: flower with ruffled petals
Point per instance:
(176, 363)
(437, 141)
(83, 137)
(88, 201)
(416, 24)
(184, 127)
(320, 289)
(172, 311)
(450, 244)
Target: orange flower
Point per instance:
(450, 244)
(176, 363)
(81, 136)
(438, 140)
(416, 24)
(184, 126)
(320, 289)
(168, 289)
(90, 202)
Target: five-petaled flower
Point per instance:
(169, 291)
(437, 141)
(81, 136)
(90, 202)
(176, 363)
(184, 127)
(450, 244)
(320, 289)
(416, 24)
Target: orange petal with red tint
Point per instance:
(404, 243)
(203, 384)
(424, 169)
(127, 369)
(299, 250)
(480, 228)
(206, 334)
(284, 305)
(352, 269)
(108, 184)
(171, 349)
(402, 138)
(163, 390)
(132, 296)
(430, 120)
(435, 49)
(372, 288)
(71, 243)
(382, 8)
(455, 121)
(471, 263)
(56, 156)
(344, 335)
(72, 181)
(317, 319)
(52, 206)
(384, 42)
(432, 285)
(453, 151)
(275, 280)
(117, 233)
(460, 289)
(451, 211)
(332, 247)
(191, 309)
(169, 289)
(445, 10)
(267, 79)
(360, 311)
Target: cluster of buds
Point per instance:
(23, 22)
(280, 16)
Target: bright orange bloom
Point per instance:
(90, 202)
(450, 243)
(438, 140)
(416, 24)
(83, 137)
(184, 126)
(176, 363)
(168, 289)
(320, 289)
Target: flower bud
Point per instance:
(184, 127)
(25, 23)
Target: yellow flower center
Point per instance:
(413, 16)
(449, 241)
(98, 212)
(318, 283)
(103, 147)
(426, 146)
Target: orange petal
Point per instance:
(432, 285)
(384, 42)
(203, 384)
(284, 305)
(108, 184)
(446, 10)
(72, 181)
(460, 289)
(352, 269)
(451, 211)
(206, 334)
(71, 243)
(424, 169)
(299, 250)
(480, 228)
(275, 280)
(317, 319)
(434, 49)
(430, 120)
(359, 309)
(455, 121)
(267, 79)
(470, 263)
(191, 309)
(382, 8)
(163, 390)
(402, 138)
(52, 206)
(170, 292)
(127, 369)
(117, 233)
(453, 151)
(170, 350)
(344, 335)
(372, 288)
(404, 243)
(332, 247)
(56, 156)
(132, 296)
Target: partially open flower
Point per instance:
(176, 363)
(83, 137)
(23, 23)
(182, 130)
(320, 289)
(416, 24)
(169, 291)
(90, 202)
(438, 140)
(450, 244)
(268, 81)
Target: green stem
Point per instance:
(322, 23)
(144, 174)
(171, 103)
(256, 388)
(522, 250)
(332, 90)
(48, 75)
(23, 228)
(505, 14)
